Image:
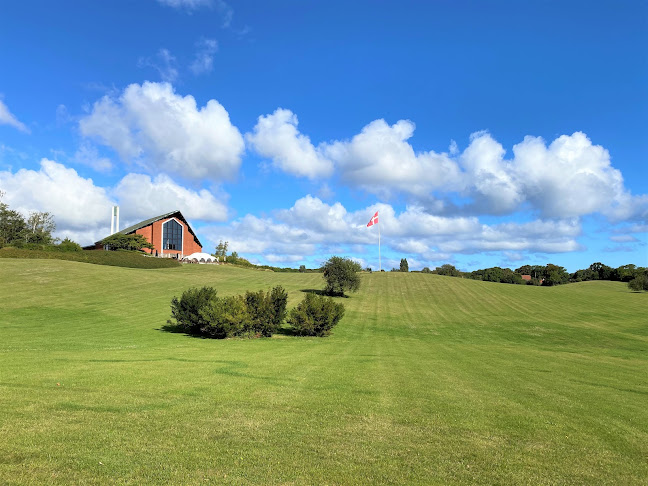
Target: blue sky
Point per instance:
(485, 133)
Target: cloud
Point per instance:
(624, 239)
(187, 4)
(81, 209)
(165, 65)
(141, 197)
(152, 126)
(76, 203)
(87, 154)
(312, 227)
(380, 160)
(570, 177)
(225, 10)
(8, 118)
(204, 59)
(276, 136)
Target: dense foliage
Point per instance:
(316, 315)
(201, 312)
(404, 266)
(112, 258)
(640, 282)
(547, 275)
(133, 242)
(341, 274)
(15, 230)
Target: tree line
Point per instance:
(550, 274)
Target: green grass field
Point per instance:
(426, 380)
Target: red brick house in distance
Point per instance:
(169, 233)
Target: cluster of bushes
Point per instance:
(200, 312)
(129, 259)
(549, 275)
(132, 242)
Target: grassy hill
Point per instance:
(427, 380)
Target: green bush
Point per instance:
(316, 315)
(68, 245)
(255, 314)
(187, 310)
(639, 283)
(341, 274)
(119, 241)
(225, 317)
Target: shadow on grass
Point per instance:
(322, 292)
(286, 331)
(176, 329)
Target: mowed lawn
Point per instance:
(426, 380)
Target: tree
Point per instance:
(555, 275)
(221, 250)
(426, 270)
(404, 266)
(302, 268)
(448, 269)
(12, 224)
(639, 283)
(39, 228)
(341, 274)
(120, 241)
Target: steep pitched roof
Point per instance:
(146, 222)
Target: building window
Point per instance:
(172, 235)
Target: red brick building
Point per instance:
(170, 234)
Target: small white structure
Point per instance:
(200, 258)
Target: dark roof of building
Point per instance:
(146, 222)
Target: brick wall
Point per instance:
(153, 233)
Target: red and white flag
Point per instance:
(373, 220)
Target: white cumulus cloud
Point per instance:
(141, 197)
(75, 202)
(152, 125)
(379, 159)
(276, 136)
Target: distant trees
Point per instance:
(448, 270)
(221, 250)
(15, 230)
(426, 270)
(404, 266)
(341, 274)
(119, 241)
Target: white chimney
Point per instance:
(114, 220)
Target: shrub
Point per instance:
(316, 315)
(255, 314)
(98, 257)
(340, 275)
(119, 241)
(68, 245)
(639, 283)
(226, 317)
(278, 300)
(187, 310)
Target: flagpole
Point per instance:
(379, 260)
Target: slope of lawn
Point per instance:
(426, 380)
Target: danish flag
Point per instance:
(373, 220)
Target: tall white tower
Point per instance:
(114, 220)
